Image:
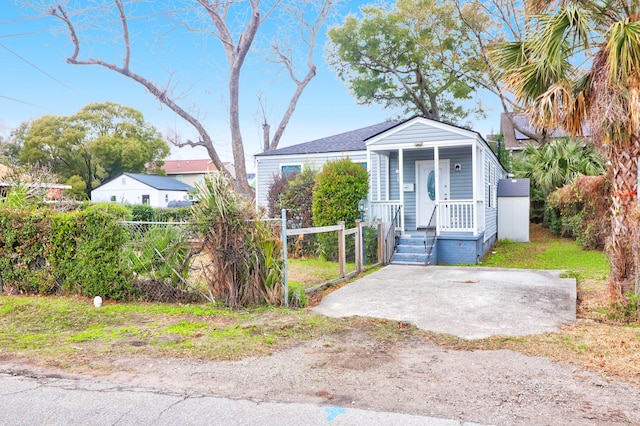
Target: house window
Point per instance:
(290, 169)
(166, 198)
(364, 165)
(179, 178)
(145, 199)
(112, 198)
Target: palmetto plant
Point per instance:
(557, 163)
(244, 255)
(579, 68)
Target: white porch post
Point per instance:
(474, 173)
(436, 169)
(378, 177)
(388, 185)
(370, 192)
(401, 185)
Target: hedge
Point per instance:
(45, 252)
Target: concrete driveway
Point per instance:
(468, 302)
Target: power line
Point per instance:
(41, 70)
(22, 102)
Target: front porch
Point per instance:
(437, 179)
(428, 187)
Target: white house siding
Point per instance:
(268, 166)
(131, 192)
(419, 132)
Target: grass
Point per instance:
(546, 251)
(599, 340)
(71, 333)
(310, 272)
(68, 332)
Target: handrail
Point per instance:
(392, 228)
(430, 225)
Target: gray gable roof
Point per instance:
(348, 141)
(162, 183)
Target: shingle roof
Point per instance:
(162, 183)
(514, 139)
(348, 141)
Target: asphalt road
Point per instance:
(29, 400)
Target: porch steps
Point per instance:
(411, 250)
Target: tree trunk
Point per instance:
(624, 202)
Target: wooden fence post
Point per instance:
(380, 242)
(285, 274)
(342, 252)
(359, 245)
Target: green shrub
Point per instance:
(24, 251)
(278, 185)
(580, 210)
(100, 267)
(296, 296)
(77, 252)
(143, 213)
(337, 191)
(178, 214)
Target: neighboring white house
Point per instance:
(425, 176)
(193, 172)
(50, 192)
(135, 188)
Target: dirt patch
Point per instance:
(412, 375)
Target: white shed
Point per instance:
(513, 209)
(135, 188)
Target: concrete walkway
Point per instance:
(468, 302)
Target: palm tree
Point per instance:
(579, 68)
(557, 163)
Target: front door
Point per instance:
(426, 193)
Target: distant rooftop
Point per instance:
(175, 167)
(163, 183)
(353, 140)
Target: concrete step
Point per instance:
(411, 241)
(410, 258)
(403, 248)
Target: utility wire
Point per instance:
(42, 71)
(22, 102)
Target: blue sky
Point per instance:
(36, 80)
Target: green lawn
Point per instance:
(309, 272)
(548, 252)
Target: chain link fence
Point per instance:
(163, 256)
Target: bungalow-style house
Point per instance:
(49, 192)
(193, 172)
(136, 188)
(434, 181)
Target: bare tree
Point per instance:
(489, 22)
(308, 17)
(235, 23)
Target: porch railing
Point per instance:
(456, 216)
(386, 211)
